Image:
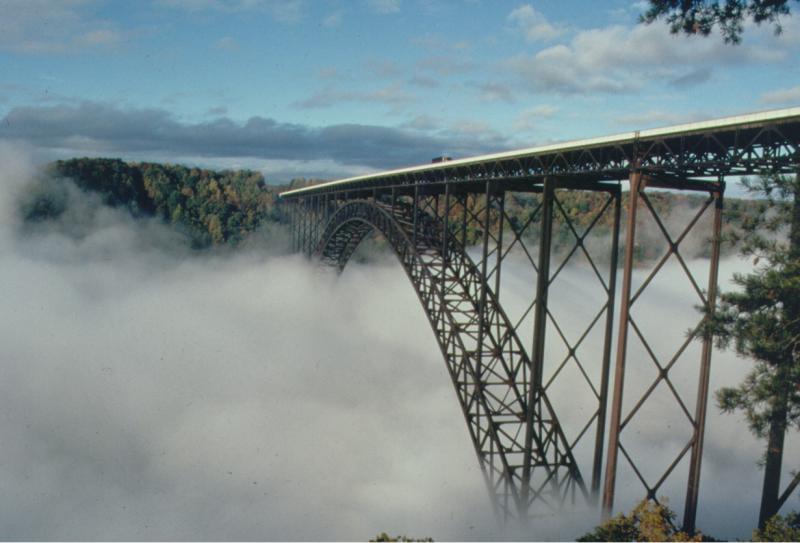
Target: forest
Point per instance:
(223, 208)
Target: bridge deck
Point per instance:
(679, 156)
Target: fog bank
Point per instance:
(151, 393)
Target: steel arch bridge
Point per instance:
(448, 225)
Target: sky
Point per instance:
(331, 88)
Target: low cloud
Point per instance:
(151, 394)
(94, 128)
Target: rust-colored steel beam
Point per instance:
(622, 345)
(597, 466)
(540, 326)
(701, 407)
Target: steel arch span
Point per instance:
(522, 450)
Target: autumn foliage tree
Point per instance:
(649, 521)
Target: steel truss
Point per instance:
(525, 454)
(695, 418)
(521, 447)
(451, 230)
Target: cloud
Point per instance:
(44, 27)
(155, 395)
(102, 129)
(623, 59)
(789, 95)
(533, 24)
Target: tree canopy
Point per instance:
(701, 16)
(761, 320)
(212, 207)
(649, 521)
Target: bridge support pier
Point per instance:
(701, 407)
(639, 199)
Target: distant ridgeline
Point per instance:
(224, 207)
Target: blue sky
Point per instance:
(328, 88)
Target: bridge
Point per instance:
(449, 226)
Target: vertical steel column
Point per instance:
(302, 217)
(306, 226)
(539, 327)
(445, 225)
(622, 344)
(542, 282)
(482, 306)
(307, 235)
(609, 332)
(445, 231)
(293, 225)
(326, 211)
(693, 486)
(317, 221)
(499, 256)
(464, 200)
(416, 212)
(314, 222)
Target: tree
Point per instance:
(762, 322)
(649, 521)
(383, 536)
(701, 16)
(780, 528)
